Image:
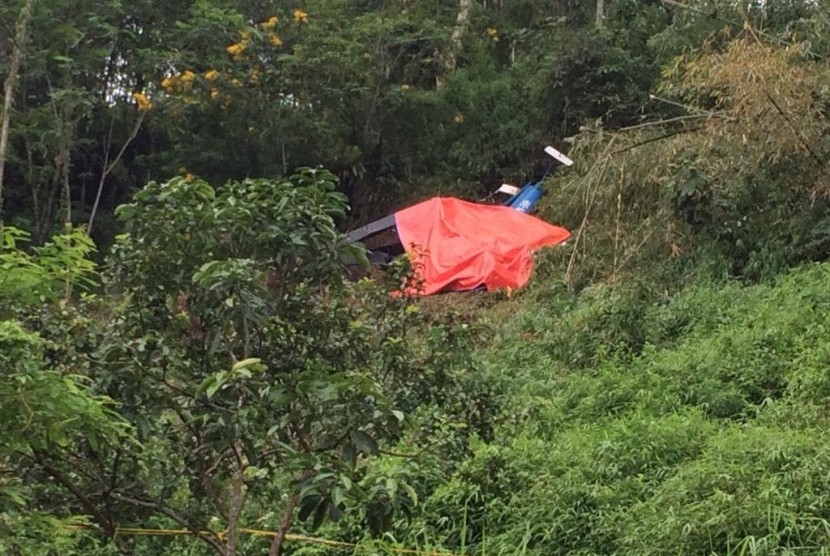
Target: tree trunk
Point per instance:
(285, 522)
(66, 160)
(287, 515)
(237, 501)
(600, 12)
(8, 87)
(450, 55)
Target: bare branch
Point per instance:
(59, 477)
(670, 120)
(109, 167)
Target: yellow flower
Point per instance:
(246, 36)
(236, 49)
(492, 31)
(458, 118)
(168, 83)
(254, 75)
(300, 16)
(214, 94)
(142, 102)
(236, 83)
(188, 76)
(274, 40)
(211, 75)
(189, 177)
(271, 23)
(405, 87)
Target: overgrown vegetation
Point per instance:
(247, 371)
(689, 426)
(660, 387)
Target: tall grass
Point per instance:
(691, 424)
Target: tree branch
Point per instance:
(109, 167)
(669, 121)
(102, 520)
(652, 140)
(285, 522)
(214, 543)
(450, 54)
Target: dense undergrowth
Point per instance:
(693, 427)
(690, 424)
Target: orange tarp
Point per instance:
(464, 245)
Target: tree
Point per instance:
(20, 37)
(44, 409)
(257, 378)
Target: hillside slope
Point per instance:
(662, 384)
(688, 426)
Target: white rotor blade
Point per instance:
(558, 156)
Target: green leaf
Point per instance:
(252, 362)
(307, 505)
(410, 492)
(13, 495)
(338, 496)
(364, 443)
(350, 454)
(320, 513)
(335, 512)
(391, 487)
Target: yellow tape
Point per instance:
(138, 531)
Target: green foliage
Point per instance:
(239, 356)
(287, 225)
(248, 364)
(706, 440)
(731, 185)
(235, 93)
(230, 90)
(229, 375)
(43, 274)
(38, 533)
(45, 409)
